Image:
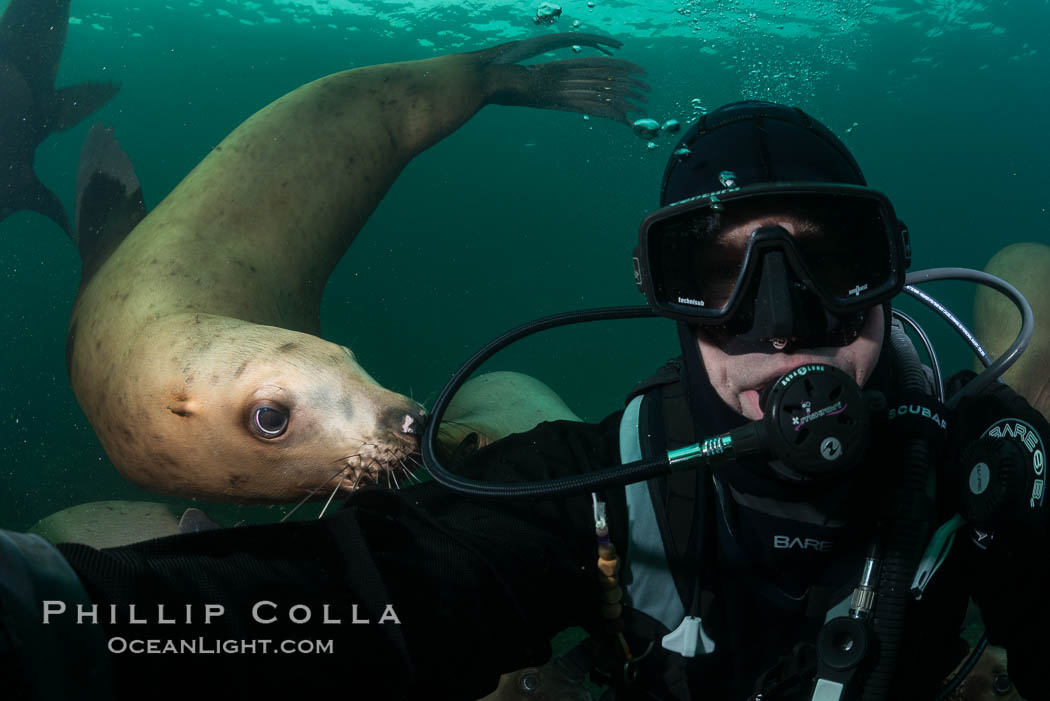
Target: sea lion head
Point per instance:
(255, 413)
(987, 680)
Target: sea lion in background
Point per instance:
(32, 36)
(1026, 266)
(194, 350)
(497, 404)
(987, 681)
(111, 524)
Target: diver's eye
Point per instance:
(267, 421)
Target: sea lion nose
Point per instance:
(414, 421)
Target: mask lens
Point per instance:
(846, 250)
(694, 262)
(717, 266)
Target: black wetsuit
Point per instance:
(479, 587)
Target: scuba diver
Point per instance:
(795, 508)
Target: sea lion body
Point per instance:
(202, 326)
(109, 524)
(212, 305)
(997, 322)
(496, 404)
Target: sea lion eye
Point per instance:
(267, 421)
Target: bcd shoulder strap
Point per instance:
(665, 424)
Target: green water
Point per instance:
(523, 213)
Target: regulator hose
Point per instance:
(907, 516)
(562, 486)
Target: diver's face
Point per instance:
(738, 379)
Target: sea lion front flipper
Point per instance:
(600, 87)
(515, 51)
(32, 36)
(28, 192)
(195, 521)
(69, 106)
(109, 200)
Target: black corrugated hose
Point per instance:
(907, 516)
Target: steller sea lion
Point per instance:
(108, 524)
(111, 524)
(194, 345)
(988, 680)
(494, 405)
(32, 36)
(1026, 266)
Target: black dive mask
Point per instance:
(766, 289)
(778, 312)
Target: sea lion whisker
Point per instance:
(370, 471)
(393, 476)
(360, 447)
(295, 508)
(407, 476)
(347, 457)
(331, 496)
(409, 473)
(413, 476)
(357, 454)
(416, 463)
(417, 466)
(314, 491)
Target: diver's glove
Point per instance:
(997, 454)
(57, 659)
